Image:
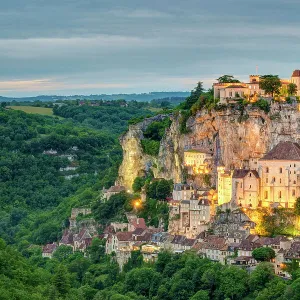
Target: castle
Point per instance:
(233, 90)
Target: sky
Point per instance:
(67, 47)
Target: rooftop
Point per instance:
(284, 151)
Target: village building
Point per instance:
(48, 250)
(198, 161)
(296, 80)
(245, 188)
(224, 185)
(113, 190)
(279, 172)
(182, 191)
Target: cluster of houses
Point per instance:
(78, 236)
(272, 180)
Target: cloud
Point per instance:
(42, 85)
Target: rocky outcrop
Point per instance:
(235, 136)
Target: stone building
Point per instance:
(182, 191)
(224, 185)
(279, 172)
(296, 80)
(198, 161)
(245, 188)
(275, 183)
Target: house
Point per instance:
(198, 161)
(135, 223)
(245, 188)
(82, 240)
(49, 249)
(150, 252)
(113, 190)
(117, 241)
(279, 172)
(182, 191)
(67, 239)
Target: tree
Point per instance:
(63, 252)
(201, 295)
(274, 290)
(271, 84)
(233, 283)
(61, 280)
(163, 189)
(297, 207)
(227, 79)
(262, 274)
(96, 250)
(263, 254)
(138, 183)
(292, 89)
(195, 94)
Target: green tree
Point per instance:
(138, 183)
(96, 250)
(262, 275)
(227, 79)
(195, 94)
(61, 280)
(274, 290)
(163, 189)
(271, 84)
(201, 295)
(263, 254)
(63, 252)
(297, 207)
(292, 89)
(233, 283)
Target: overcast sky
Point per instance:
(110, 46)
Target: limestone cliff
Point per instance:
(235, 136)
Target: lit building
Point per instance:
(198, 161)
(224, 185)
(279, 172)
(182, 191)
(245, 188)
(296, 79)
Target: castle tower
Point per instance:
(296, 79)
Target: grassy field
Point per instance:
(34, 110)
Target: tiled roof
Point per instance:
(116, 189)
(236, 87)
(67, 238)
(49, 248)
(284, 151)
(296, 73)
(124, 236)
(188, 242)
(138, 222)
(138, 231)
(294, 251)
(241, 173)
(178, 239)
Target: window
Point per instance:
(293, 193)
(294, 165)
(230, 94)
(280, 170)
(250, 174)
(266, 194)
(280, 180)
(250, 186)
(241, 185)
(279, 194)
(267, 180)
(267, 169)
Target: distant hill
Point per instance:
(146, 97)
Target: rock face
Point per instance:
(234, 136)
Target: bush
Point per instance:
(150, 147)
